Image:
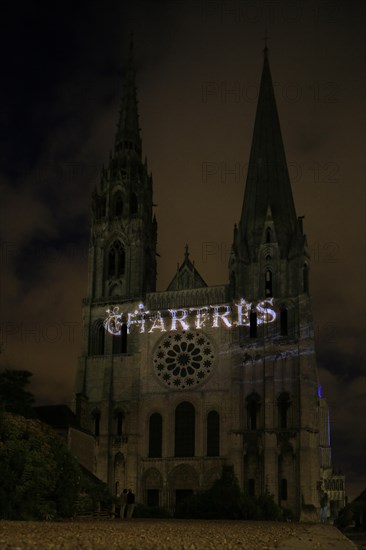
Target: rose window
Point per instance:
(184, 360)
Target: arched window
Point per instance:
(116, 344)
(184, 429)
(119, 343)
(112, 262)
(283, 489)
(283, 321)
(116, 260)
(96, 342)
(119, 422)
(100, 340)
(99, 208)
(96, 422)
(268, 235)
(251, 487)
(213, 434)
(283, 404)
(268, 283)
(253, 408)
(155, 435)
(305, 278)
(119, 459)
(133, 204)
(117, 208)
(253, 324)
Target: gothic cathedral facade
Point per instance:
(170, 403)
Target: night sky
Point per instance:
(198, 68)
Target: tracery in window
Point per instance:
(116, 260)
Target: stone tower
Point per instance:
(123, 240)
(270, 260)
(177, 383)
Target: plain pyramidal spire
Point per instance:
(268, 183)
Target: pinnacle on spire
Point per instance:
(128, 132)
(266, 37)
(268, 183)
(186, 253)
(187, 275)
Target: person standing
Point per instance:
(123, 503)
(130, 503)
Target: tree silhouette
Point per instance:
(14, 397)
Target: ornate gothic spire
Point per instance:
(128, 131)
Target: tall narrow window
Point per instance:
(213, 434)
(119, 342)
(305, 278)
(253, 324)
(117, 207)
(99, 208)
(155, 435)
(96, 420)
(283, 489)
(133, 204)
(116, 260)
(124, 338)
(283, 321)
(112, 262)
(283, 404)
(252, 415)
(184, 429)
(268, 283)
(119, 423)
(116, 344)
(253, 407)
(268, 235)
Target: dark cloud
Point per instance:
(345, 366)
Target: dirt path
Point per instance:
(141, 534)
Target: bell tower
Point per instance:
(270, 262)
(122, 253)
(121, 271)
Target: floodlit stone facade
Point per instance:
(169, 407)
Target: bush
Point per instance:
(95, 492)
(225, 500)
(40, 478)
(84, 504)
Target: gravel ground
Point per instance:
(141, 534)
